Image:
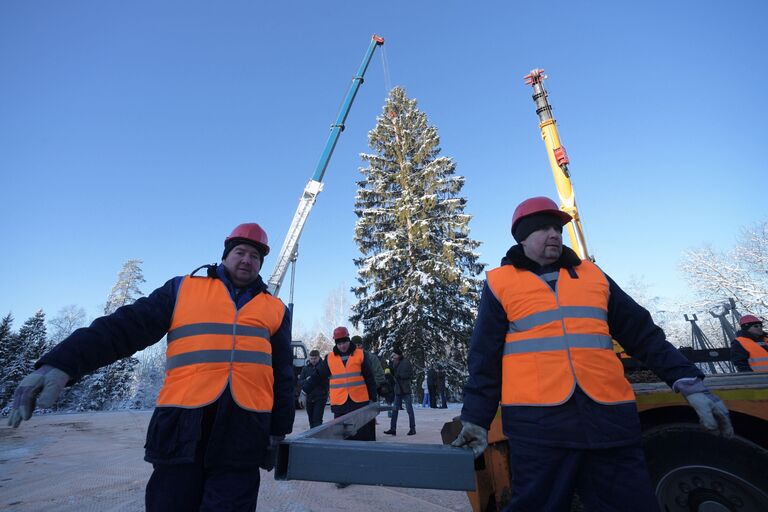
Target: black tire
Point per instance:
(693, 470)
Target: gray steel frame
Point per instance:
(322, 454)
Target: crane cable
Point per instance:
(385, 69)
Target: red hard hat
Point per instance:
(538, 205)
(749, 319)
(250, 232)
(339, 333)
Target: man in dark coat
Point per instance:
(441, 386)
(389, 386)
(376, 368)
(205, 456)
(403, 373)
(432, 386)
(317, 398)
(542, 358)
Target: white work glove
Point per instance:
(40, 388)
(713, 414)
(472, 436)
(303, 400)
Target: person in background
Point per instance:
(378, 371)
(389, 396)
(542, 348)
(432, 386)
(749, 351)
(228, 396)
(403, 371)
(441, 386)
(317, 399)
(352, 384)
(425, 389)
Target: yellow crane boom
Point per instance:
(558, 160)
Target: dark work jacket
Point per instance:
(739, 355)
(324, 373)
(403, 376)
(580, 422)
(320, 392)
(440, 380)
(432, 378)
(221, 434)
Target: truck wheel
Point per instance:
(693, 470)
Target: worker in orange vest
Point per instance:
(227, 399)
(352, 382)
(749, 351)
(542, 348)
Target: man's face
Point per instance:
(243, 264)
(343, 346)
(313, 360)
(756, 329)
(544, 246)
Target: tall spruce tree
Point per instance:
(417, 276)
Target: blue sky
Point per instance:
(149, 129)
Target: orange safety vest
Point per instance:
(758, 356)
(347, 379)
(211, 343)
(557, 339)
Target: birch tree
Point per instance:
(741, 273)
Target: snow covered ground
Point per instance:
(94, 462)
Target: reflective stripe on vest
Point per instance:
(211, 344)
(347, 379)
(557, 339)
(758, 356)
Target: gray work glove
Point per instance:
(270, 455)
(303, 400)
(713, 415)
(472, 436)
(40, 388)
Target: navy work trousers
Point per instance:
(606, 480)
(191, 487)
(399, 399)
(315, 410)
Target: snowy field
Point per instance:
(94, 462)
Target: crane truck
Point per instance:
(691, 469)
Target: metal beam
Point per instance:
(322, 454)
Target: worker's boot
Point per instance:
(390, 432)
(411, 432)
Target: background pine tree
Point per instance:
(417, 286)
(114, 385)
(126, 289)
(9, 348)
(21, 352)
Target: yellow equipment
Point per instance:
(558, 160)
